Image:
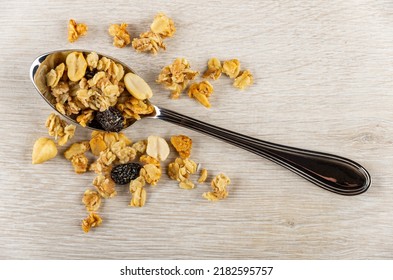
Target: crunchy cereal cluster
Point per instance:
(219, 185)
(121, 37)
(151, 41)
(201, 92)
(59, 129)
(231, 68)
(75, 30)
(176, 76)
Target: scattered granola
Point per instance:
(121, 37)
(201, 92)
(138, 192)
(44, 149)
(181, 169)
(163, 26)
(75, 30)
(176, 76)
(93, 220)
(231, 68)
(182, 144)
(76, 149)
(214, 69)
(105, 186)
(245, 79)
(151, 41)
(59, 129)
(148, 42)
(92, 200)
(80, 163)
(219, 185)
(151, 173)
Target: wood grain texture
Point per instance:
(323, 81)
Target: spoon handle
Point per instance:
(333, 173)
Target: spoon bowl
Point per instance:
(330, 172)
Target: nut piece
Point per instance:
(219, 184)
(75, 30)
(44, 149)
(93, 220)
(203, 176)
(137, 86)
(92, 200)
(121, 37)
(201, 92)
(182, 144)
(245, 79)
(157, 147)
(163, 26)
(231, 68)
(214, 69)
(76, 65)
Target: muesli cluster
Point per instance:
(150, 41)
(176, 78)
(119, 161)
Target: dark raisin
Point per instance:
(123, 174)
(89, 73)
(110, 120)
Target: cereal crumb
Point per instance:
(75, 30)
(148, 42)
(121, 37)
(182, 144)
(138, 192)
(214, 69)
(201, 92)
(93, 220)
(186, 184)
(105, 186)
(203, 176)
(245, 79)
(181, 169)
(163, 26)
(176, 76)
(151, 173)
(76, 149)
(92, 200)
(59, 129)
(80, 163)
(231, 68)
(219, 185)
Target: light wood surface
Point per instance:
(323, 81)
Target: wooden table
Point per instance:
(323, 81)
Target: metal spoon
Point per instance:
(333, 173)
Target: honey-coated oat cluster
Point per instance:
(150, 41)
(177, 76)
(96, 91)
(119, 161)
